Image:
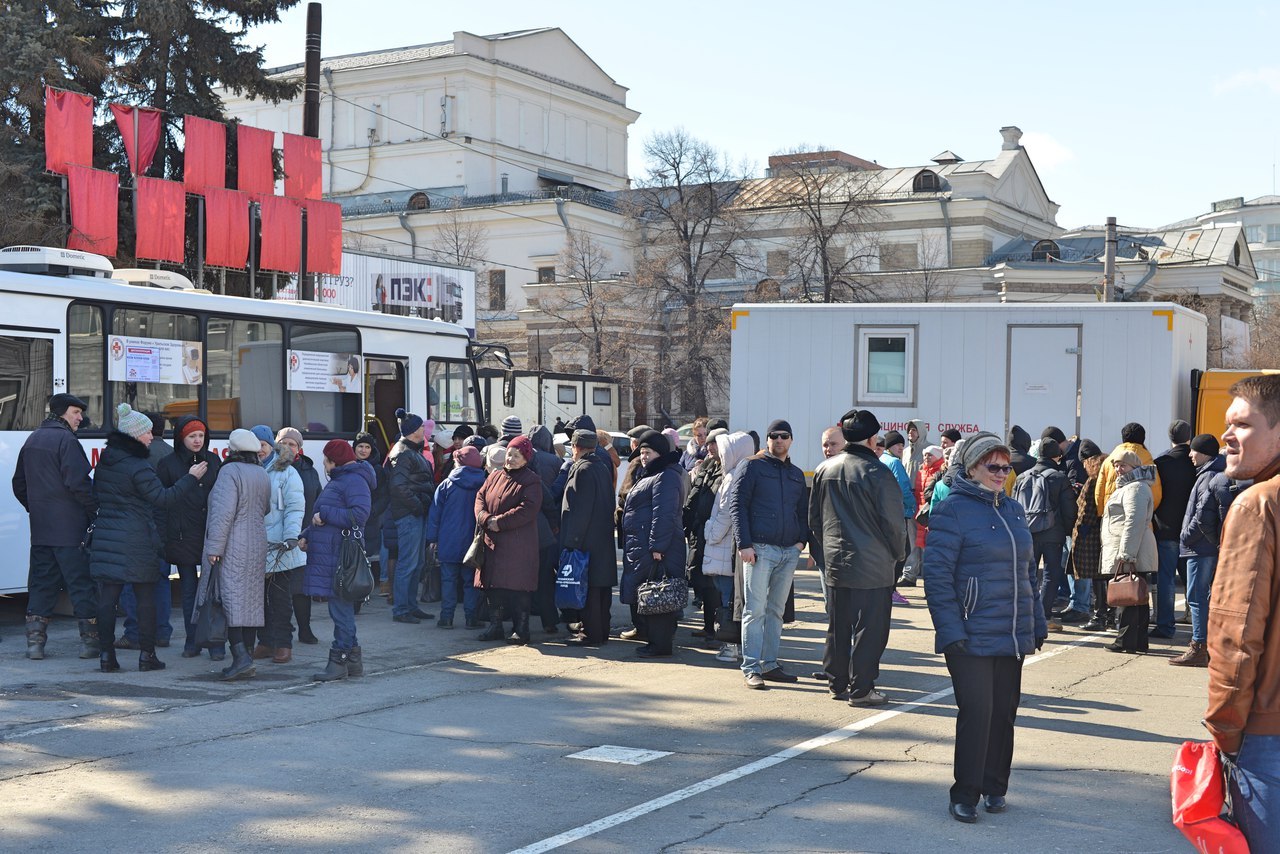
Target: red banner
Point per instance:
(281, 234)
(301, 166)
(148, 123)
(68, 130)
(205, 154)
(226, 226)
(324, 237)
(94, 196)
(161, 220)
(255, 172)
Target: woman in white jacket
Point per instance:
(1128, 544)
(284, 525)
(720, 559)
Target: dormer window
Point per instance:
(419, 202)
(926, 182)
(1046, 250)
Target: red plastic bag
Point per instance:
(1199, 793)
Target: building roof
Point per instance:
(1194, 246)
(880, 184)
(392, 56)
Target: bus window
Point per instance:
(85, 343)
(155, 361)
(384, 391)
(324, 371)
(452, 392)
(245, 365)
(26, 381)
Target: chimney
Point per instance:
(1011, 135)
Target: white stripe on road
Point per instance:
(835, 736)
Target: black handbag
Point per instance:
(209, 618)
(662, 596)
(474, 558)
(726, 630)
(353, 578)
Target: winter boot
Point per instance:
(1197, 655)
(336, 668)
(302, 613)
(89, 646)
(107, 661)
(37, 636)
(147, 661)
(355, 662)
(519, 628)
(493, 631)
(242, 666)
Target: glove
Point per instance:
(1040, 643)
(291, 543)
(956, 648)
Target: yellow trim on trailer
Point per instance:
(1166, 313)
(733, 318)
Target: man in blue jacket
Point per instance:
(894, 445)
(770, 525)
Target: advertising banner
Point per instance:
(154, 360)
(310, 370)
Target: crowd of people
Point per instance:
(1011, 538)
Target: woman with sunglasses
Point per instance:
(1128, 543)
(979, 581)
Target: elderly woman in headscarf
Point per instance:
(507, 508)
(1129, 543)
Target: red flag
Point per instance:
(148, 132)
(226, 226)
(94, 195)
(161, 220)
(254, 170)
(68, 130)
(281, 234)
(301, 166)
(205, 154)
(324, 237)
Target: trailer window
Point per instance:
(886, 365)
(245, 368)
(602, 396)
(85, 342)
(567, 394)
(325, 370)
(26, 381)
(451, 392)
(155, 362)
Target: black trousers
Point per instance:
(662, 631)
(988, 689)
(49, 570)
(595, 614)
(278, 631)
(109, 596)
(857, 633)
(1132, 623)
(544, 598)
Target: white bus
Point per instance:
(330, 372)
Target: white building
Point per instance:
(1260, 219)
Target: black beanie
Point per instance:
(779, 425)
(654, 441)
(859, 425)
(1133, 433)
(893, 437)
(1207, 444)
(1089, 449)
(1049, 449)
(718, 424)
(1180, 432)
(1055, 434)
(953, 434)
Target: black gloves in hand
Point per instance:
(291, 543)
(956, 648)
(1040, 643)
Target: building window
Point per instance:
(725, 268)
(546, 275)
(419, 202)
(566, 394)
(1253, 233)
(26, 381)
(777, 263)
(1046, 250)
(886, 364)
(1273, 233)
(926, 182)
(601, 396)
(497, 290)
(245, 365)
(1268, 270)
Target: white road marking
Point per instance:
(833, 737)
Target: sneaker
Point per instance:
(633, 634)
(777, 674)
(1095, 625)
(755, 681)
(903, 581)
(841, 694)
(871, 698)
(1073, 617)
(899, 599)
(1054, 625)
(728, 652)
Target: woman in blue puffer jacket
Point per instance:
(451, 526)
(343, 504)
(979, 581)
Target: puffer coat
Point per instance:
(345, 501)
(721, 550)
(514, 499)
(126, 544)
(1126, 522)
(452, 522)
(285, 519)
(651, 523)
(237, 533)
(184, 522)
(978, 574)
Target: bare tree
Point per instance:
(459, 239)
(932, 281)
(1264, 334)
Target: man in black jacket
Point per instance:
(586, 524)
(412, 488)
(770, 526)
(1020, 446)
(51, 481)
(855, 513)
(1046, 495)
(1177, 480)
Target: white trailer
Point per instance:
(1086, 368)
(542, 397)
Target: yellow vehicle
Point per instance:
(1211, 399)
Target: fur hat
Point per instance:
(133, 423)
(339, 451)
(655, 441)
(243, 440)
(859, 425)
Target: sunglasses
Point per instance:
(779, 435)
(1002, 470)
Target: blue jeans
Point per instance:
(1051, 577)
(164, 607)
(1255, 792)
(343, 614)
(724, 586)
(450, 575)
(1199, 580)
(410, 531)
(1166, 584)
(765, 585)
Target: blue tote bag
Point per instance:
(571, 579)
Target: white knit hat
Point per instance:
(243, 440)
(131, 422)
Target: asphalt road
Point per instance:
(451, 745)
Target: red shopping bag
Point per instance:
(1199, 793)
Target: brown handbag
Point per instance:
(1128, 589)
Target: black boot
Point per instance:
(107, 661)
(355, 662)
(302, 613)
(519, 628)
(147, 661)
(493, 631)
(242, 666)
(337, 668)
(37, 636)
(89, 647)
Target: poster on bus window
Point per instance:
(311, 370)
(154, 360)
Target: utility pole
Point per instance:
(1109, 263)
(310, 126)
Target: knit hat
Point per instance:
(858, 425)
(586, 439)
(192, 425)
(243, 440)
(1049, 449)
(654, 441)
(639, 430)
(1207, 444)
(673, 436)
(1129, 458)
(409, 423)
(1055, 434)
(779, 425)
(1134, 433)
(59, 403)
(468, 455)
(934, 451)
(1088, 450)
(364, 439)
(264, 434)
(893, 437)
(978, 446)
(1179, 432)
(443, 437)
(953, 434)
(463, 432)
(520, 443)
(718, 431)
(131, 422)
(289, 433)
(476, 442)
(511, 426)
(582, 422)
(339, 452)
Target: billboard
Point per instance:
(381, 282)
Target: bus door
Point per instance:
(385, 391)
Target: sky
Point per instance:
(1146, 112)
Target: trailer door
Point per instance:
(1043, 379)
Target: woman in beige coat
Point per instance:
(1128, 543)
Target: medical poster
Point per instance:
(310, 370)
(154, 360)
